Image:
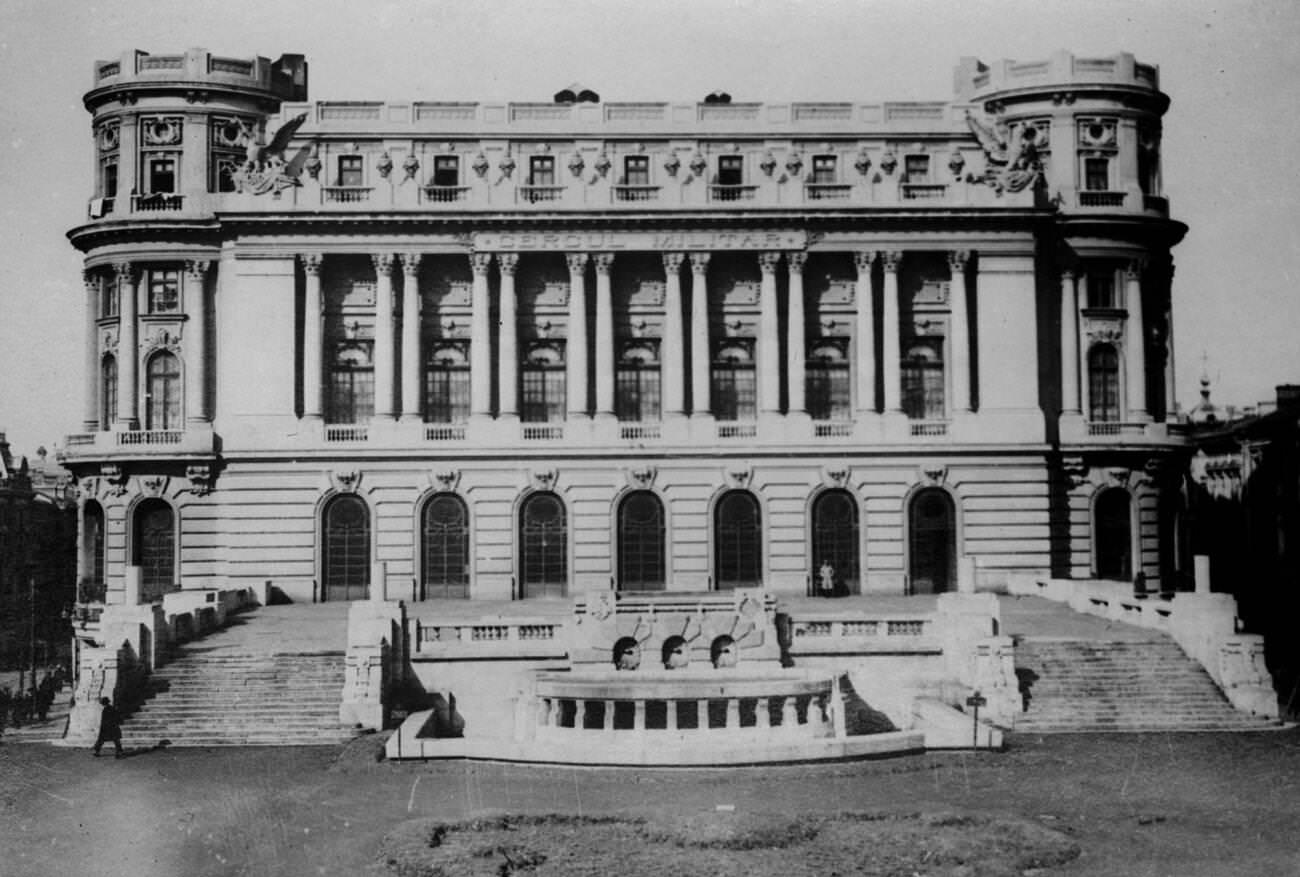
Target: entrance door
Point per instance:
(932, 529)
(1114, 535)
(347, 549)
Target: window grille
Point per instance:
(641, 542)
(637, 381)
(923, 380)
(445, 534)
(352, 383)
(827, 377)
(542, 390)
(543, 538)
(155, 548)
(164, 381)
(447, 384)
(1103, 384)
(734, 390)
(738, 544)
(835, 541)
(346, 575)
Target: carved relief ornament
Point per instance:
(544, 479)
(346, 481)
(641, 477)
(738, 477)
(200, 478)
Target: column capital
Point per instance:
(957, 260)
(795, 259)
(311, 263)
(700, 262)
(383, 263)
(125, 271)
(577, 262)
(479, 263)
(604, 261)
(673, 262)
(864, 259)
(767, 262)
(411, 263)
(1068, 272)
(197, 269)
(891, 259)
(1133, 270)
(507, 263)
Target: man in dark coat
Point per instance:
(110, 728)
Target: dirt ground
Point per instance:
(1193, 805)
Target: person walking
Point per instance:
(110, 728)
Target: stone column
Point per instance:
(959, 326)
(797, 332)
(1135, 344)
(313, 343)
(480, 344)
(412, 354)
(384, 327)
(507, 340)
(672, 345)
(768, 354)
(865, 335)
(196, 347)
(94, 293)
(128, 355)
(892, 358)
(1171, 387)
(1069, 344)
(701, 360)
(604, 337)
(576, 355)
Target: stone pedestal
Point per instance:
(375, 662)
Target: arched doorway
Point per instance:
(641, 542)
(835, 542)
(544, 545)
(92, 557)
(737, 541)
(346, 561)
(154, 548)
(932, 542)
(444, 545)
(1112, 529)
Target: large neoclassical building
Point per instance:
(520, 350)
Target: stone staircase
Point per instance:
(1146, 684)
(222, 698)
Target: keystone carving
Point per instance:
(642, 477)
(544, 479)
(346, 481)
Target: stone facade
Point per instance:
(446, 349)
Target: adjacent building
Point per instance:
(455, 349)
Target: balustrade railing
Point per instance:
(157, 203)
(446, 194)
(79, 439)
(444, 432)
(924, 191)
(636, 193)
(640, 430)
(827, 191)
(467, 637)
(719, 192)
(1102, 199)
(929, 428)
(346, 432)
(346, 194)
(535, 432)
(833, 428)
(737, 430)
(1114, 428)
(540, 194)
(150, 437)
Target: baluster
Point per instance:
(609, 715)
(733, 712)
(789, 715)
(670, 712)
(702, 714)
(579, 714)
(762, 717)
(638, 715)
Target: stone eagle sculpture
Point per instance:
(265, 169)
(1013, 163)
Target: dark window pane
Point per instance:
(731, 170)
(636, 169)
(164, 379)
(164, 291)
(1096, 174)
(446, 548)
(916, 168)
(162, 175)
(350, 170)
(637, 397)
(823, 169)
(108, 393)
(155, 549)
(835, 541)
(923, 383)
(641, 542)
(347, 548)
(543, 539)
(446, 170)
(738, 543)
(932, 542)
(1111, 529)
(541, 170)
(1103, 383)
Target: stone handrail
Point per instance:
(489, 637)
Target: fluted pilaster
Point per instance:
(412, 354)
(312, 337)
(507, 343)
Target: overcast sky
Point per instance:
(1232, 68)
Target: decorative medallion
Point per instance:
(480, 164)
(698, 164)
(794, 164)
(506, 165)
(162, 131)
(576, 164)
(114, 477)
(888, 162)
(602, 164)
(410, 166)
(672, 164)
(863, 162)
(109, 136)
(768, 164)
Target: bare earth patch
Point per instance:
(728, 843)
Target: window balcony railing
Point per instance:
(833, 428)
(541, 432)
(827, 191)
(737, 430)
(540, 194)
(150, 437)
(1101, 199)
(719, 192)
(98, 208)
(1114, 428)
(446, 194)
(159, 202)
(636, 193)
(929, 428)
(636, 431)
(346, 432)
(444, 432)
(345, 194)
(924, 191)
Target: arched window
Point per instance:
(932, 542)
(544, 545)
(164, 379)
(445, 541)
(92, 547)
(641, 542)
(1112, 532)
(107, 392)
(1103, 383)
(835, 542)
(446, 383)
(922, 377)
(155, 548)
(738, 541)
(828, 380)
(346, 558)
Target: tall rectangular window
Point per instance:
(108, 296)
(637, 382)
(916, 168)
(541, 384)
(109, 178)
(1101, 289)
(636, 170)
(734, 390)
(164, 292)
(352, 383)
(823, 169)
(827, 377)
(446, 384)
(1096, 174)
(923, 381)
(541, 170)
(160, 175)
(350, 170)
(446, 170)
(731, 170)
